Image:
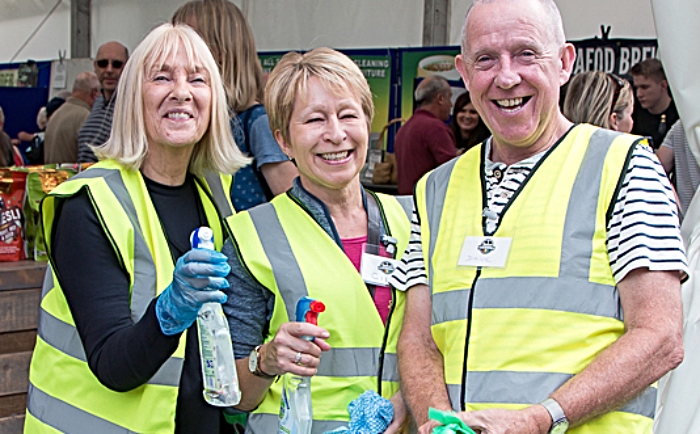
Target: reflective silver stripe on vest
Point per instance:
(67, 418)
(454, 391)
(435, 193)
(357, 362)
(449, 306)
(391, 368)
(218, 194)
(535, 293)
(579, 225)
(264, 423)
(644, 404)
(531, 388)
(406, 202)
(48, 282)
(290, 281)
(144, 287)
(64, 337)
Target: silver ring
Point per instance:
(298, 358)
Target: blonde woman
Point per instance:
(601, 99)
(117, 350)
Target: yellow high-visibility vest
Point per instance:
(287, 251)
(510, 336)
(64, 395)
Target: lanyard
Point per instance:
(373, 219)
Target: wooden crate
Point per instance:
(20, 293)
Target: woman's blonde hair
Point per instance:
(589, 98)
(227, 33)
(291, 75)
(216, 151)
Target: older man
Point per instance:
(552, 291)
(425, 141)
(61, 140)
(108, 64)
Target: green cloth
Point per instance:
(451, 424)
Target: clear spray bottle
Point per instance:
(215, 349)
(296, 415)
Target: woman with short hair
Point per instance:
(311, 242)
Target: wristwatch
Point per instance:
(254, 364)
(559, 421)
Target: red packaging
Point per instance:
(12, 195)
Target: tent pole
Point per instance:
(80, 11)
(436, 22)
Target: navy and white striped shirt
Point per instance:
(643, 232)
(96, 129)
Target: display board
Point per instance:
(419, 63)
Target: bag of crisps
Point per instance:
(40, 182)
(12, 196)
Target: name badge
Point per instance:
(376, 270)
(485, 252)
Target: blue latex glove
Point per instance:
(369, 414)
(198, 276)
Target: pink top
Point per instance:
(382, 294)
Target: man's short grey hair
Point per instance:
(429, 89)
(556, 26)
(86, 82)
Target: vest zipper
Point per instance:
(387, 231)
(463, 391)
(382, 350)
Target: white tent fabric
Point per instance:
(291, 24)
(678, 401)
(277, 24)
(303, 25)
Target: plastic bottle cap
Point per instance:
(317, 306)
(203, 238)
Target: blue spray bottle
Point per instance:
(296, 415)
(215, 349)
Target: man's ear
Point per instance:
(461, 66)
(568, 59)
(664, 84)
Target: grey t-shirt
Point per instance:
(686, 167)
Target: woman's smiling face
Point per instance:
(467, 118)
(328, 137)
(177, 103)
